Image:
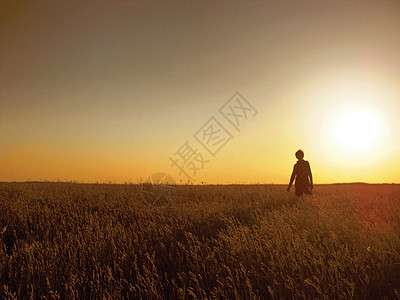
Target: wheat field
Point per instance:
(101, 241)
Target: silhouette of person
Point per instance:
(302, 174)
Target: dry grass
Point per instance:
(65, 240)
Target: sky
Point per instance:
(205, 91)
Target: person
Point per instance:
(302, 174)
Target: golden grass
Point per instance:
(66, 240)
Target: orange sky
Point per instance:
(110, 90)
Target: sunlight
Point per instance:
(350, 128)
(357, 130)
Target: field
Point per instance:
(75, 241)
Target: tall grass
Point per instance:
(65, 240)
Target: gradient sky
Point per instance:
(110, 90)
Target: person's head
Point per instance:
(299, 154)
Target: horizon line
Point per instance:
(191, 183)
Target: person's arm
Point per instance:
(310, 175)
(292, 178)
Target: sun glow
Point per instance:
(357, 130)
(351, 132)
